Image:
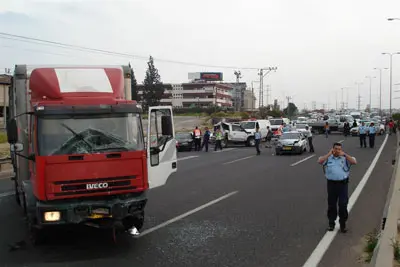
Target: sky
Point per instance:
(317, 46)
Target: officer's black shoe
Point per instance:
(343, 228)
(331, 228)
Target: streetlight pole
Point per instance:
(391, 74)
(380, 89)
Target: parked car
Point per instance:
(291, 142)
(184, 141)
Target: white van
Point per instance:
(250, 126)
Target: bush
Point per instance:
(219, 114)
(244, 115)
(3, 138)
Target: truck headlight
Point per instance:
(52, 216)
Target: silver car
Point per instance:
(291, 142)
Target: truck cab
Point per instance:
(78, 148)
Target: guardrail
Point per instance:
(383, 254)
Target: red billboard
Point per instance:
(211, 76)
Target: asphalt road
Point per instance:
(260, 211)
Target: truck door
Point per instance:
(161, 145)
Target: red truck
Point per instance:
(78, 148)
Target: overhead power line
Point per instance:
(38, 41)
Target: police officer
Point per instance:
(336, 166)
(257, 137)
(362, 132)
(309, 139)
(371, 135)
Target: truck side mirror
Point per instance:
(166, 126)
(12, 131)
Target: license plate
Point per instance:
(99, 213)
(99, 216)
(287, 148)
(102, 211)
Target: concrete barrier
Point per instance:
(383, 254)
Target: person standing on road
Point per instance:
(309, 139)
(206, 139)
(197, 139)
(218, 140)
(371, 135)
(362, 132)
(336, 165)
(326, 129)
(257, 138)
(346, 128)
(269, 137)
(391, 127)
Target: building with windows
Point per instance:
(196, 94)
(249, 100)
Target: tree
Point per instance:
(153, 87)
(134, 90)
(291, 110)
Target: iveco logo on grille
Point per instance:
(96, 186)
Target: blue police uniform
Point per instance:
(371, 136)
(337, 171)
(362, 131)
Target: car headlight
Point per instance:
(279, 144)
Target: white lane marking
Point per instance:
(6, 194)
(188, 157)
(325, 242)
(224, 150)
(300, 161)
(341, 141)
(236, 160)
(148, 231)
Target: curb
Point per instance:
(383, 253)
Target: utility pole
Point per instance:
(370, 90)
(342, 103)
(288, 98)
(336, 102)
(238, 91)
(391, 74)
(359, 96)
(380, 89)
(262, 75)
(268, 94)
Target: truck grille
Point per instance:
(91, 186)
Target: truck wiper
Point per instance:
(79, 136)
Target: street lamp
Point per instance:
(391, 19)
(380, 89)
(370, 90)
(391, 60)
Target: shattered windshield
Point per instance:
(86, 134)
